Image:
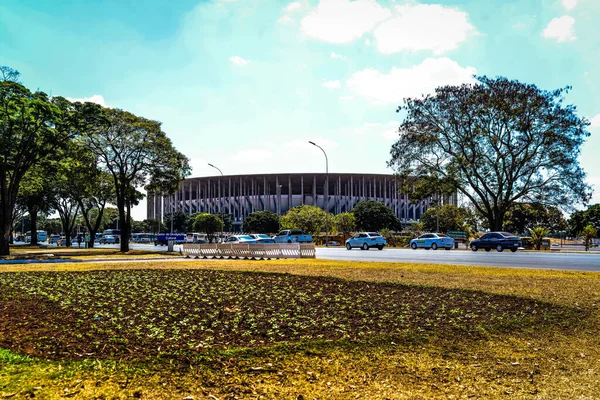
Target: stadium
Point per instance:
(241, 195)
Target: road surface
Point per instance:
(521, 259)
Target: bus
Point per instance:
(143, 237)
(42, 236)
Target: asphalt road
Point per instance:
(520, 259)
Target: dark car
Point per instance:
(496, 240)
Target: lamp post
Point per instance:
(326, 198)
(217, 168)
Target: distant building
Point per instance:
(240, 195)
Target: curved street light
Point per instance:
(210, 165)
(326, 198)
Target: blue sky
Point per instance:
(244, 84)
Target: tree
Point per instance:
(35, 195)
(372, 215)
(261, 222)
(310, 219)
(8, 74)
(209, 224)
(588, 234)
(345, 223)
(537, 236)
(180, 221)
(28, 134)
(522, 217)
(448, 217)
(136, 152)
(581, 218)
(498, 142)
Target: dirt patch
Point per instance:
(140, 313)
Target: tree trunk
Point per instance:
(33, 217)
(92, 238)
(4, 236)
(125, 228)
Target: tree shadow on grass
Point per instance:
(136, 314)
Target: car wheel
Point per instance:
(365, 246)
(487, 249)
(348, 246)
(413, 246)
(474, 247)
(379, 247)
(499, 248)
(448, 248)
(434, 246)
(513, 250)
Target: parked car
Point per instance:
(199, 241)
(108, 239)
(62, 241)
(53, 239)
(366, 240)
(261, 238)
(241, 239)
(20, 238)
(496, 240)
(292, 236)
(432, 241)
(333, 243)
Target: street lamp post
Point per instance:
(326, 198)
(220, 204)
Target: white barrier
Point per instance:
(250, 251)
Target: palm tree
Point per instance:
(588, 233)
(537, 236)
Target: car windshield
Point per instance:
(373, 234)
(245, 237)
(263, 236)
(441, 235)
(506, 234)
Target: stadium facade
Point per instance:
(240, 195)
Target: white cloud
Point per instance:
(569, 4)
(342, 21)
(238, 60)
(399, 83)
(96, 98)
(285, 19)
(562, 29)
(423, 27)
(332, 84)
(337, 56)
(346, 98)
(595, 121)
(292, 7)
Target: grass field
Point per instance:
(297, 329)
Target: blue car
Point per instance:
(432, 241)
(366, 240)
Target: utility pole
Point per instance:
(325, 194)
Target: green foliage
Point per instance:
(498, 142)
(345, 223)
(135, 152)
(209, 224)
(310, 219)
(180, 221)
(449, 217)
(372, 215)
(537, 236)
(415, 230)
(261, 222)
(522, 217)
(588, 233)
(580, 219)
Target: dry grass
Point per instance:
(553, 362)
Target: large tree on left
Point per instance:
(28, 134)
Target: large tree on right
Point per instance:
(498, 141)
